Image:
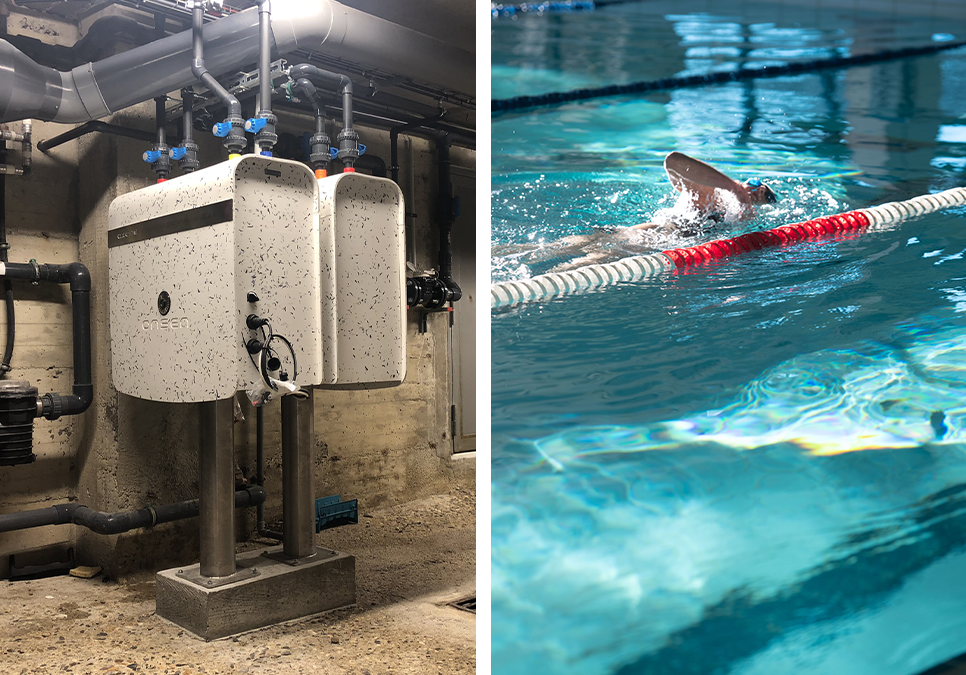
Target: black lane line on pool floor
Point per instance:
(721, 77)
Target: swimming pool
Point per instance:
(755, 466)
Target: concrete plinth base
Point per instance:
(269, 590)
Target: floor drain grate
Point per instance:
(466, 604)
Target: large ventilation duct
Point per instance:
(91, 91)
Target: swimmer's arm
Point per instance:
(643, 226)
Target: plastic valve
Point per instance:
(334, 152)
(221, 129)
(362, 149)
(177, 154)
(151, 156)
(255, 124)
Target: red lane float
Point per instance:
(754, 241)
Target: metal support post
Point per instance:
(298, 494)
(217, 489)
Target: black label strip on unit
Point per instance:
(192, 219)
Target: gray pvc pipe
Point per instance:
(93, 90)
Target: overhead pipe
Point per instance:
(94, 90)
(232, 129)
(348, 138)
(123, 521)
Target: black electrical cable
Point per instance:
(741, 74)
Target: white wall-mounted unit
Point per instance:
(184, 256)
(364, 250)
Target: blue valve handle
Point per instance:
(255, 124)
(177, 154)
(335, 151)
(151, 156)
(221, 129)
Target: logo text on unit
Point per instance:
(172, 323)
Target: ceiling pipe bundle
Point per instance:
(93, 90)
(636, 268)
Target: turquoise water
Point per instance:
(756, 466)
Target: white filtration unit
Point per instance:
(364, 314)
(188, 257)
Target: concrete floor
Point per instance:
(411, 560)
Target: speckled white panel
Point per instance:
(268, 243)
(361, 220)
(277, 240)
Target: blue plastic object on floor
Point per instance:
(332, 512)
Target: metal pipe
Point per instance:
(123, 521)
(217, 464)
(94, 90)
(298, 495)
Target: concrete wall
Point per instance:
(381, 447)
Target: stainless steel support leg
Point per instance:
(298, 494)
(217, 490)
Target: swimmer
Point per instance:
(710, 197)
(710, 192)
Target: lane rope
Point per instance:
(635, 268)
(557, 98)
(499, 10)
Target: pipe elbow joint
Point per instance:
(79, 277)
(455, 292)
(54, 406)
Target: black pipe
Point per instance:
(89, 127)
(373, 163)
(52, 406)
(557, 98)
(161, 166)
(7, 286)
(189, 160)
(234, 125)
(394, 141)
(122, 521)
(446, 208)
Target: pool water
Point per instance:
(757, 465)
